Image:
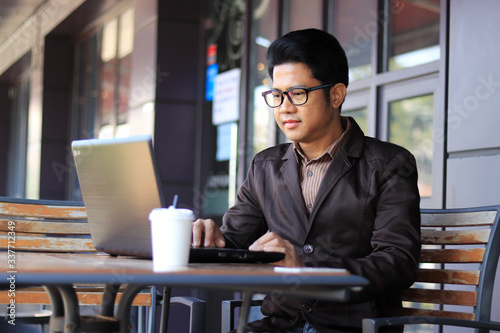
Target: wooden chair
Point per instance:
(460, 252)
(61, 226)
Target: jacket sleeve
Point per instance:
(244, 222)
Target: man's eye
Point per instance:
(297, 92)
(276, 95)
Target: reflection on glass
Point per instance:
(359, 115)
(262, 132)
(115, 68)
(355, 27)
(126, 40)
(414, 33)
(109, 37)
(410, 125)
(108, 77)
(125, 47)
(306, 14)
(264, 126)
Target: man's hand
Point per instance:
(206, 232)
(270, 242)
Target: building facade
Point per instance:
(423, 74)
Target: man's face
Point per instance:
(310, 123)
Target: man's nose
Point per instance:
(286, 106)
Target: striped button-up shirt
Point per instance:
(311, 172)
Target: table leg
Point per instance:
(71, 309)
(124, 306)
(165, 309)
(244, 311)
(57, 317)
(152, 311)
(108, 299)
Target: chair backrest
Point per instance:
(44, 225)
(460, 251)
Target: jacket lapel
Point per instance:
(290, 174)
(340, 164)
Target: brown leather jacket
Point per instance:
(366, 219)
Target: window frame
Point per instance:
(415, 87)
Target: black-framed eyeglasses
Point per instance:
(297, 96)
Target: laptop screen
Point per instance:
(120, 186)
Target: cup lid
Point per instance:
(172, 212)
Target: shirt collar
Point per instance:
(331, 149)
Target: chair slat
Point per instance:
(42, 211)
(85, 297)
(448, 276)
(452, 255)
(437, 296)
(463, 247)
(458, 219)
(46, 227)
(49, 244)
(445, 237)
(438, 313)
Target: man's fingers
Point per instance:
(207, 233)
(209, 236)
(220, 241)
(266, 240)
(198, 230)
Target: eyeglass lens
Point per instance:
(297, 96)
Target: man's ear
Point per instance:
(337, 95)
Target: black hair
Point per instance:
(317, 49)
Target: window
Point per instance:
(356, 28)
(102, 85)
(395, 54)
(116, 50)
(103, 66)
(413, 36)
(359, 115)
(410, 125)
(407, 117)
(18, 141)
(265, 30)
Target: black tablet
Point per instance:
(226, 255)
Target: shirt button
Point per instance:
(308, 248)
(309, 174)
(309, 205)
(306, 307)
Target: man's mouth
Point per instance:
(290, 123)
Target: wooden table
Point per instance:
(58, 272)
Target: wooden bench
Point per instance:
(51, 226)
(460, 252)
(61, 226)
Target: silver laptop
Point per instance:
(120, 185)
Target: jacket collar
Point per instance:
(340, 165)
(351, 147)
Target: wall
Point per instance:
(178, 55)
(4, 136)
(57, 83)
(473, 172)
(473, 105)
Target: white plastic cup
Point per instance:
(170, 237)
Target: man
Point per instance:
(331, 198)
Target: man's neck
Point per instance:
(313, 150)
